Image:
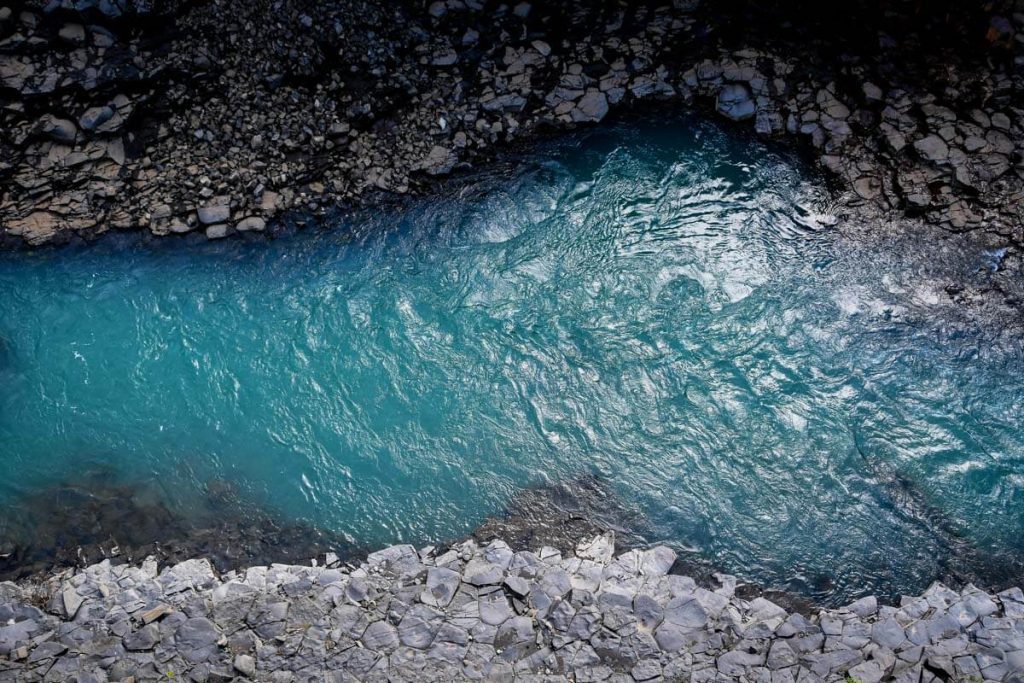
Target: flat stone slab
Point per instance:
(485, 613)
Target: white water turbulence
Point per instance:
(665, 307)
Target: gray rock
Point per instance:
(439, 161)
(864, 607)
(686, 612)
(216, 232)
(888, 633)
(245, 665)
(932, 148)
(441, 586)
(646, 669)
(71, 600)
(872, 93)
(196, 639)
(251, 224)
(479, 572)
(1001, 121)
(95, 117)
(61, 130)
(494, 608)
(657, 561)
(649, 612)
(215, 212)
(143, 639)
(591, 108)
(735, 103)
(380, 636)
(781, 656)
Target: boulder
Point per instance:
(61, 130)
(932, 148)
(214, 213)
(735, 103)
(590, 108)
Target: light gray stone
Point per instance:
(214, 213)
(592, 107)
(440, 586)
(380, 636)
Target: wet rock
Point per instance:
(216, 232)
(37, 228)
(251, 224)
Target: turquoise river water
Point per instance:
(664, 307)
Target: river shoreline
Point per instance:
(477, 612)
(116, 123)
(150, 121)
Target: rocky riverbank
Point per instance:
(476, 612)
(213, 117)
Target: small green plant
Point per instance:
(851, 679)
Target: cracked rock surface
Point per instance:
(485, 612)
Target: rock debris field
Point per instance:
(211, 118)
(485, 613)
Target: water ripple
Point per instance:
(664, 306)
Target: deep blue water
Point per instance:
(664, 306)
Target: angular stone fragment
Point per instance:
(245, 665)
(440, 586)
(734, 102)
(380, 636)
(71, 601)
(657, 561)
(494, 608)
(591, 108)
(155, 613)
(251, 224)
(214, 213)
(932, 148)
(479, 572)
(143, 639)
(61, 130)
